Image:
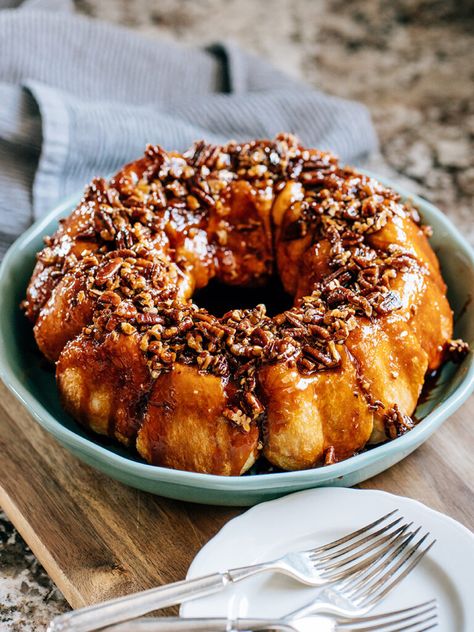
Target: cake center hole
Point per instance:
(219, 298)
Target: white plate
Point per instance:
(313, 517)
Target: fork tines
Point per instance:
(354, 535)
(358, 551)
(366, 589)
(370, 562)
(415, 619)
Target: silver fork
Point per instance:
(336, 561)
(418, 618)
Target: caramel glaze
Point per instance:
(111, 301)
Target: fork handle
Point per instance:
(179, 624)
(140, 603)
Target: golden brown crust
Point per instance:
(104, 385)
(311, 385)
(308, 416)
(184, 426)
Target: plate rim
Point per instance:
(339, 491)
(270, 481)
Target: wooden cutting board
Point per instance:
(98, 539)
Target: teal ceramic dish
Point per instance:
(23, 371)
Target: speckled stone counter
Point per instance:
(407, 60)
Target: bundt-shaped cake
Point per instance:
(111, 299)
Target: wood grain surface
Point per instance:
(99, 539)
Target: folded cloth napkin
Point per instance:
(79, 98)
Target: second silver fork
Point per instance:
(419, 618)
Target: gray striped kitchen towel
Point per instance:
(78, 98)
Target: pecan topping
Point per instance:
(137, 269)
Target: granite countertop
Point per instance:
(407, 60)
